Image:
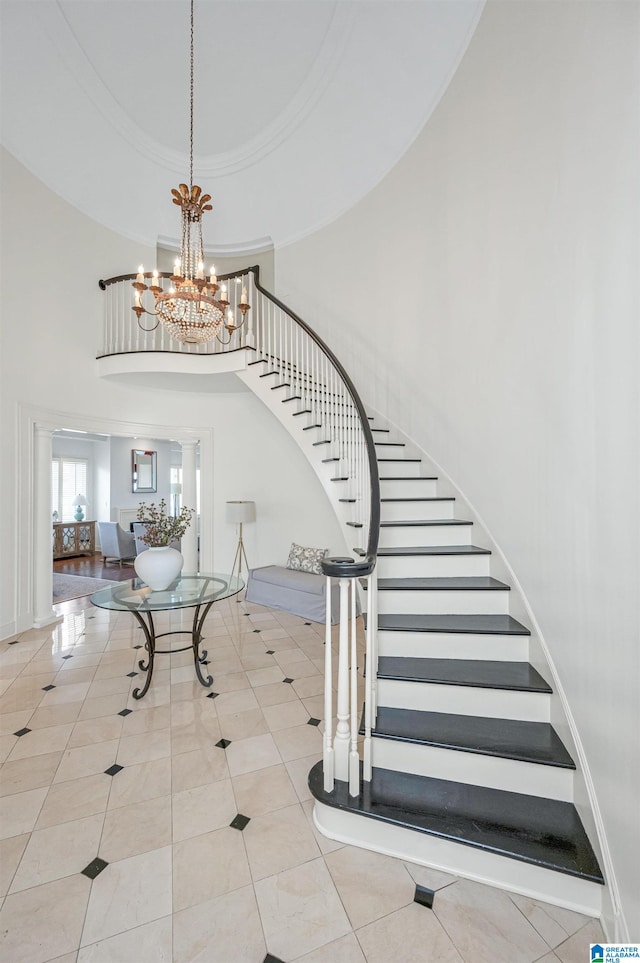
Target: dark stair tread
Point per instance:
(428, 550)
(303, 411)
(283, 384)
(349, 501)
(544, 832)
(309, 427)
(344, 478)
(474, 624)
(395, 460)
(325, 441)
(268, 374)
(385, 430)
(477, 673)
(286, 401)
(390, 444)
(456, 583)
(535, 742)
(424, 523)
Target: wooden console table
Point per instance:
(74, 538)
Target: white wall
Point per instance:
(485, 298)
(121, 494)
(48, 363)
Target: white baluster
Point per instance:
(341, 742)
(354, 759)
(327, 756)
(368, 684)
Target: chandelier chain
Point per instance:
(191, 107)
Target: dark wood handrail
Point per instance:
(335, 567)
(341, 567)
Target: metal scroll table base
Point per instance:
(199, 658)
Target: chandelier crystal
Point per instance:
(190, 310)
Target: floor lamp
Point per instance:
(240, 512)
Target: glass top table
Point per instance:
(187, 591)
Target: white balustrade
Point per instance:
(301, 361)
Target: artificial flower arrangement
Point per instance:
(162, 528)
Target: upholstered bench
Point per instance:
(300, 593)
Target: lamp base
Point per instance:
(240, 554)
(79, 515)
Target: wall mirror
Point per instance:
(143, 471)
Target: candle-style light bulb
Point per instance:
(230, 319)
(176, 267)
(243, 299)
(140, 275)
(223, 292)
(155, 279)
(212, 277)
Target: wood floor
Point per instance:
(94, 566)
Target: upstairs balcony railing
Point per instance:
(321, 391)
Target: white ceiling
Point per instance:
(302, 106)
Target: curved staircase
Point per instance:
(462, 768)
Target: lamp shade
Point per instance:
(176, 488)
(79, 500)
(241, 511)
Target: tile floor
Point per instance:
(178, 828)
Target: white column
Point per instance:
(43, 613)
(190, 538)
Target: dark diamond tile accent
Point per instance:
(213, 695)
(288, 680)
(15, 642)
(125, 712)
(113, 770)
(68, 656)
(47, 688)
(223, 743)
(137, 646)
(239, 822)
(270, 958)
(130, 675)
(247, 614)
(307, 623)
(256, 631)
(22, 732)
(91, 616)
(313, 722)
(424, 896)
(270, 651)
(94, 868)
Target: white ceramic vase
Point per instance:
(158, 567)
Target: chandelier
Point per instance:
(190, 310)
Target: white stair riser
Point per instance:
(406, 487)
(431, 566)
(443, 603)
(405, 535)
(464, 700)
(403, 511)
(399, 469)
(578, 895)
(450, 645)
(510, 775)
(389, 450)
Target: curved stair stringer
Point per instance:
(561, 716)
(305, 440)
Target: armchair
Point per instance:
(115, 543)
